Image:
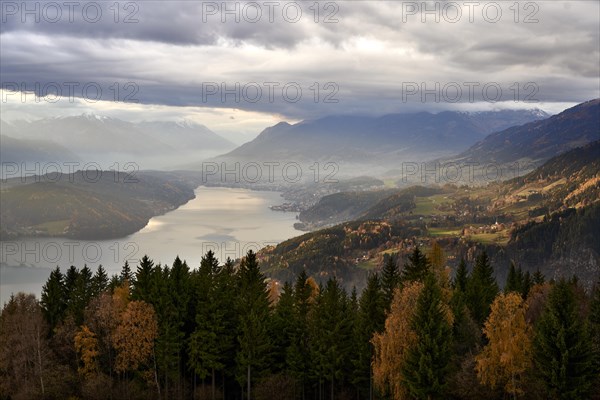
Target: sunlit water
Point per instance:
(227, 221)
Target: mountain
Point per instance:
(372, 140)
(536, 142)
(30, 151)
(185, 135)
(106, 140)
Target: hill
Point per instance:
(546, 220)
(87, 205)
(30, 151)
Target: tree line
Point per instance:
(224, 331)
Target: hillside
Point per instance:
(547, 219)
(371, 140)
(30, 151)
(535, 142)
(340, 207)
(79, 206)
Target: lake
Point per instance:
(228, 221)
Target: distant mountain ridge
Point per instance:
(107, 140)
(538, 141)
(19, 151)
(372, 140)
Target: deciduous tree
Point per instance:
(507, 357)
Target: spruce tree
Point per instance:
(282, 326)
(427, 363)
(80, 294)
(481, 289)
(331, 337)
(390, 278)
(298, 358)
(254, 354)
(461, 277)
(563, 347)
(538, 278)
(417, 267)
(126, 274)
(514, 281)
(99, 281)
(371, 319)
(70, 280)
(53, 298)
(143, 288)
(206, 343)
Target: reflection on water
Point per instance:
(227, 221)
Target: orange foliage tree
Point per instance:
(507, 356)
(392, 345)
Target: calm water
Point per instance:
(228, 221)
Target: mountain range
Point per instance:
(537, 141)
(372, 141)
(105, 140)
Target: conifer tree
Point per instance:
(126, 274)
(462, 277)
(481, 289)
(370, 320)
(298, 359)
(427, 362)
(563, 347)
(53, 299)
(143, 288)
(417, 267)
(514, 281)
(390, 278)
(99, 281)
(254, 354)
(538, 278)
(332, 335)
(282, 326)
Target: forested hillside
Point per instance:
(223, 331)
(544, 220)
(88, 204)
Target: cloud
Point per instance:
(368, 60)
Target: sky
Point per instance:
(238, 67)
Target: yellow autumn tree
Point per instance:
(507, 356)
(314, 289)
(86, 345)
(392, 345)
(134, 336)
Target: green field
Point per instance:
(500, 238)
(438, 232)
(428, 205)
(53, 227)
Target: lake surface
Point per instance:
(228, 221)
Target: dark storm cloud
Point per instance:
(370, 55)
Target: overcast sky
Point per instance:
(172, 60)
